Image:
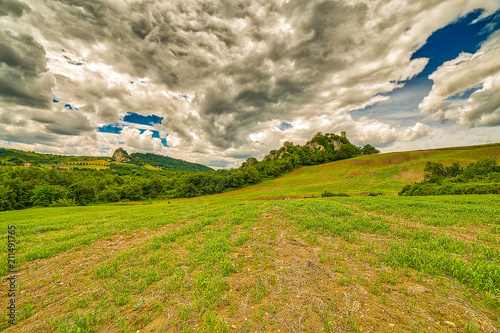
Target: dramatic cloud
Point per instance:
(481, 69)
(24, 76)
(14, 8)
(145, 141)
(225, 75)
(379, 133)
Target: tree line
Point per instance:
(481, 177)
(22, 187)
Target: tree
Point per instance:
(369, 150)
(109, 195)
(7, 198)
(131, 191)
(44, 195)
(348, 150)
(434, 172)
(454, 170)
(153, 187)
(481, 167)
(83, 192)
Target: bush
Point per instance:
(132, 192)
(422, 189)
(63, 202)
(482, 177)
(369, 150)
(44, 195)
(327, 194)
(109, 195)
(83, 192)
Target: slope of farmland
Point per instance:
(384, 173)
(223, 263)
(360, 264)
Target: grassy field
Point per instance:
(384, 173)
(244, 262)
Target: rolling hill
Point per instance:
(148, 161)
(384, 173)
(239, 262)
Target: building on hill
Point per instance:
(27, 164)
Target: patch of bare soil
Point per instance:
(285, 284)
(411, 175)
(303, 294)
(51, 284)
(291, 289)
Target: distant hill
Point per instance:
(383, 173)
(120, 159)
(166, 162)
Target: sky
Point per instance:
(217, 81)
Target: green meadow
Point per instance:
(384, 173)
(273, 257)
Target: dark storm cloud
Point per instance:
(30, 138)
(24, 75)
(63, 122)
(287, 73)
(13, 7)
(248, 66)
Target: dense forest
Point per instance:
(482, 177)
(22, 187)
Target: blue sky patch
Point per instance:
(447, 43)
(112, 128)
(55, 100)
(284, 125)
(136, 118)
(443, 45)
(68, 106)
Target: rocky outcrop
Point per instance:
(314, 145)
(319, 141)
(280, 152)
(249, 161)
(329, 139)
(120, 155)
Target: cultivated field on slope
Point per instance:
(384, 173)
(220, 264)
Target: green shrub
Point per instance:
(327, 194)
(109, 195)
(63, 202)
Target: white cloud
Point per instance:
(142, 141)
(245, 65)
(375, 132)
(463, 73)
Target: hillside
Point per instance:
(166, 162)
(220, 264)
(384, 173)
(238, 262)
(148, 161)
